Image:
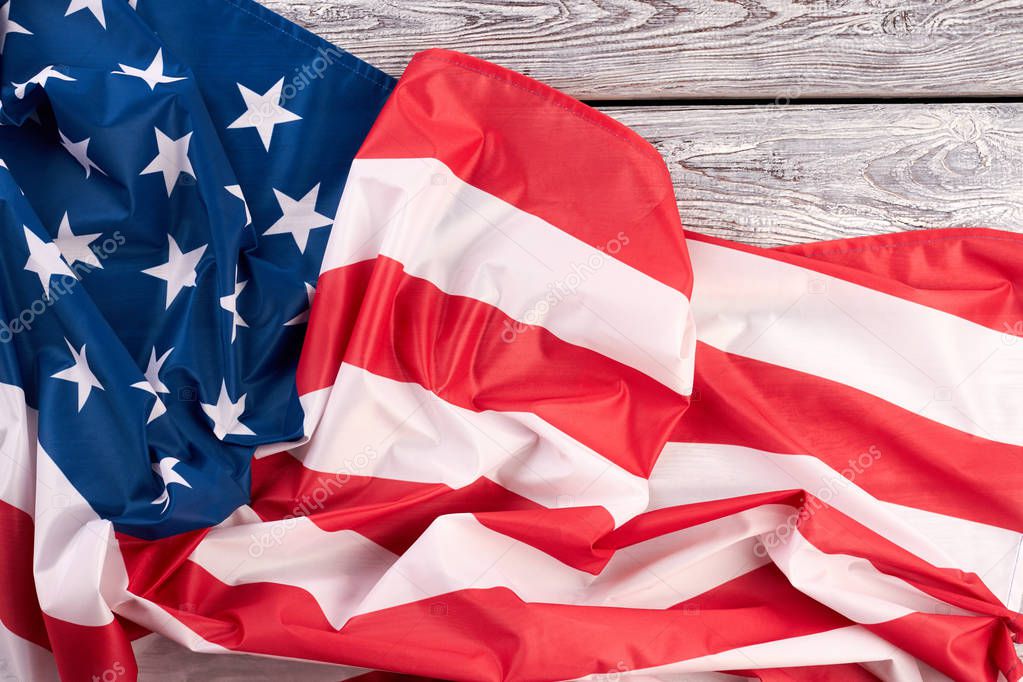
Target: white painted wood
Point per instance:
(773, 175)
(685, 49)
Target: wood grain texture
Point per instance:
(774, 175)
(162, 660)
(640, 49)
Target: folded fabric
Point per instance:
(534, 430)
(186, 160)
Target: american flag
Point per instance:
(488, 414)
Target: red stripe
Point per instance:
(971, 273)
(409, 330)
(582, 541)
(830, 531)
(846, 672)
(395, 513)
(484, 634)
(340, 295)
(962, 647)
(153, 562)
(833, 532)
(381, 676)
(670, 519)
(87, 652)
(80, 651)
(19, 604)
(277, 619)
(922, 464)
(540, 150)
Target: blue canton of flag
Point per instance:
(167, 192)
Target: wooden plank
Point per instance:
(640, 49)
(775, 175)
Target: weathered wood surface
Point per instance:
(167, 661)
(639, 49)
(769, 174)
(773, 175)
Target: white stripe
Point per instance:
(71, 548)
(155, 618)
(852, 644)
(339, 569)
(348, 575)
(989, 552)
(851, 585)
(77, 566)
(375, 426)
(1015, 600)
(457, 552)
(352, 576)
(688, 473)
(22, 660)
(470, 243)
(945, 368)
(17, 449)
(150, 615)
